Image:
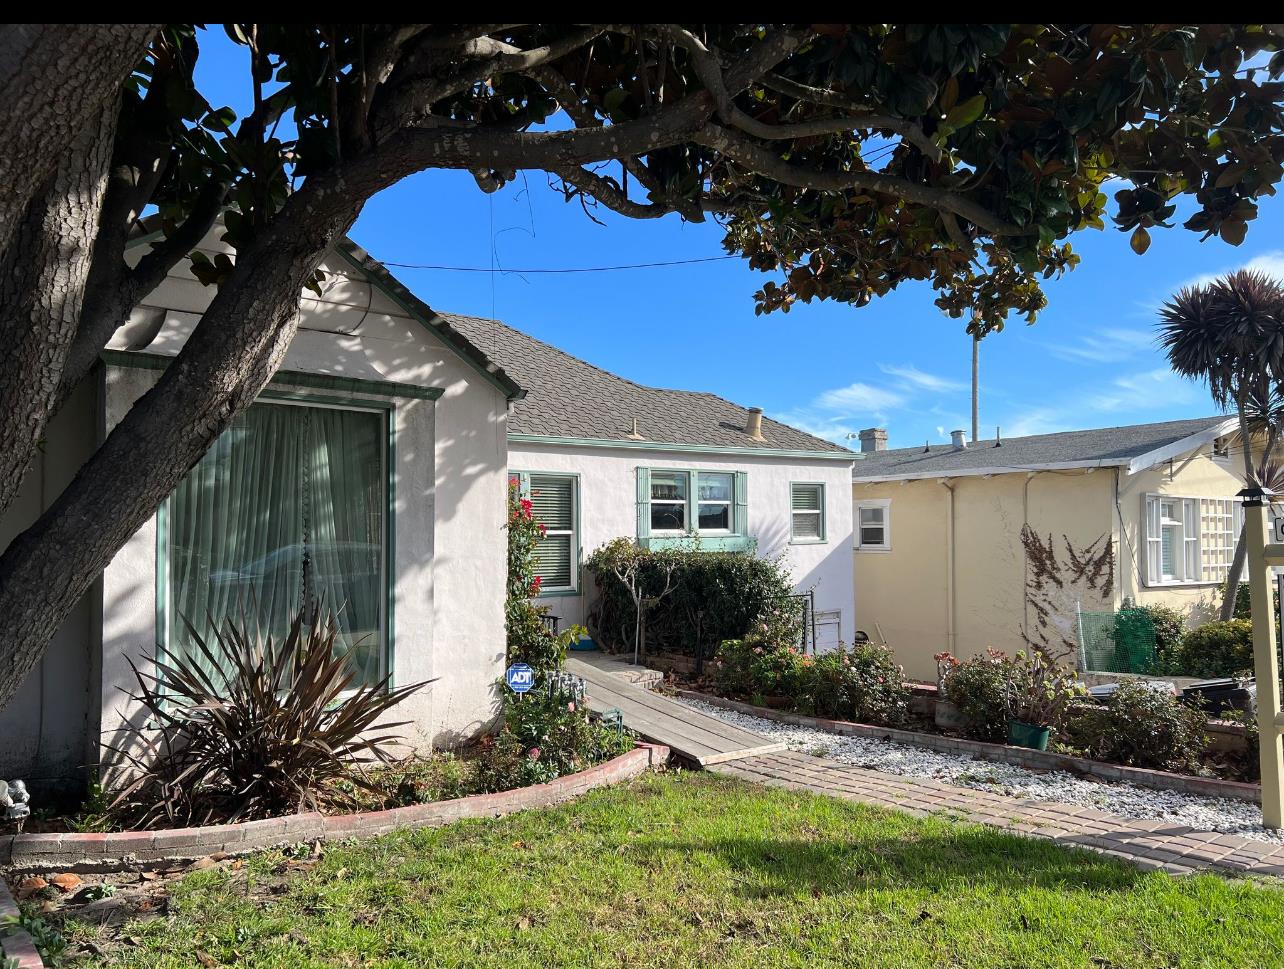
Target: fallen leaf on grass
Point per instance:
(67, 881)
(30, 885)
(205, 959)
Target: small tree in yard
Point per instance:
(844, 159)
(1230, 333)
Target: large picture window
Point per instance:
(287, 508)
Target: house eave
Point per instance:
(988, 472)
(676, 447)
(1144, 462)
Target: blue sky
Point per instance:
(1089, 360)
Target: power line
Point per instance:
(575, 269)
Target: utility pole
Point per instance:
(976, 387)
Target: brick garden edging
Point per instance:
(146, 849)
(17, 945)
(1002, 753)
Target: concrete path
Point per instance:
(689, 733)
(1155, 843)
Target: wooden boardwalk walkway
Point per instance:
(684, 730)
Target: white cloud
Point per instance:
(1110, 345)
(1135, 395)
(1271, 263)
(857, 399)
(919, 380)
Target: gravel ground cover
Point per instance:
(1224, 815)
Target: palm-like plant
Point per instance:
(250, 726)
(1230, 333)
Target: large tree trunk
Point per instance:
(227, 361)
(42, 287)
(54, 79)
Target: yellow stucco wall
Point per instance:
(906, 592)
(1195, 475)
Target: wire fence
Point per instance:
(1117, 642)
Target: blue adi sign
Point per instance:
(520, 677)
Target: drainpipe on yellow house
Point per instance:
(950, 629)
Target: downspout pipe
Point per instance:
(951, 632)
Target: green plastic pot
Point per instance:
(1022, 734)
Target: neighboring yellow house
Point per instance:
(962, 547)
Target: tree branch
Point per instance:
(767, 163)
(609, 193)
(114, 289)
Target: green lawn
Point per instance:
(692, 870)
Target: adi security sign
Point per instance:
(520, 677)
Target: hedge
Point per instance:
(714, 596)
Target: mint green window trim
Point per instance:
(576, 546)
(286, 379)
(387, 410)
(823, 537)
(734, 539)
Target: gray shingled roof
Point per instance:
(566, 397)
(1105, 446)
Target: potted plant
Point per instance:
(947, 714)
(1037, 694)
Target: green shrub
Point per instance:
(754, 668)
(978, 687)
(714, 596)
(546, 734)
(862, 683)
(1214, 649)
(1141, 727)
(1039, 691)
(1169, 625)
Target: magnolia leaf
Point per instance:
(1140, 240)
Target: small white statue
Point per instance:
(14, 800)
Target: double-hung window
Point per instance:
(288, 509)
(678, 504)
(874, 525)
(554, 502)
(1189, 539)
(806, 512)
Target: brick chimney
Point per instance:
(873, 439)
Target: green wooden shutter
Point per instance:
(741, 517)
(644, 505)
(553, 506)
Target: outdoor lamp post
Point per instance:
(1262, 554)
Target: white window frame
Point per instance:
(1198, 518)
(524, 484)
(696, 501)
(883, 504)
(822, 536)
(686, 502)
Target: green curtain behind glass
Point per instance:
(285, 509)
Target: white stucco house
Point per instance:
(373, 473)
(604, 457)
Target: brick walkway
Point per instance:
(1156, 844)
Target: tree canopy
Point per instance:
(842, 160)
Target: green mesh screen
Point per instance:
(1117, 642)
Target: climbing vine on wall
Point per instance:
(1055, 584)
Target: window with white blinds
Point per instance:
(553, 499)
(1190, 539)
(806, 512)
